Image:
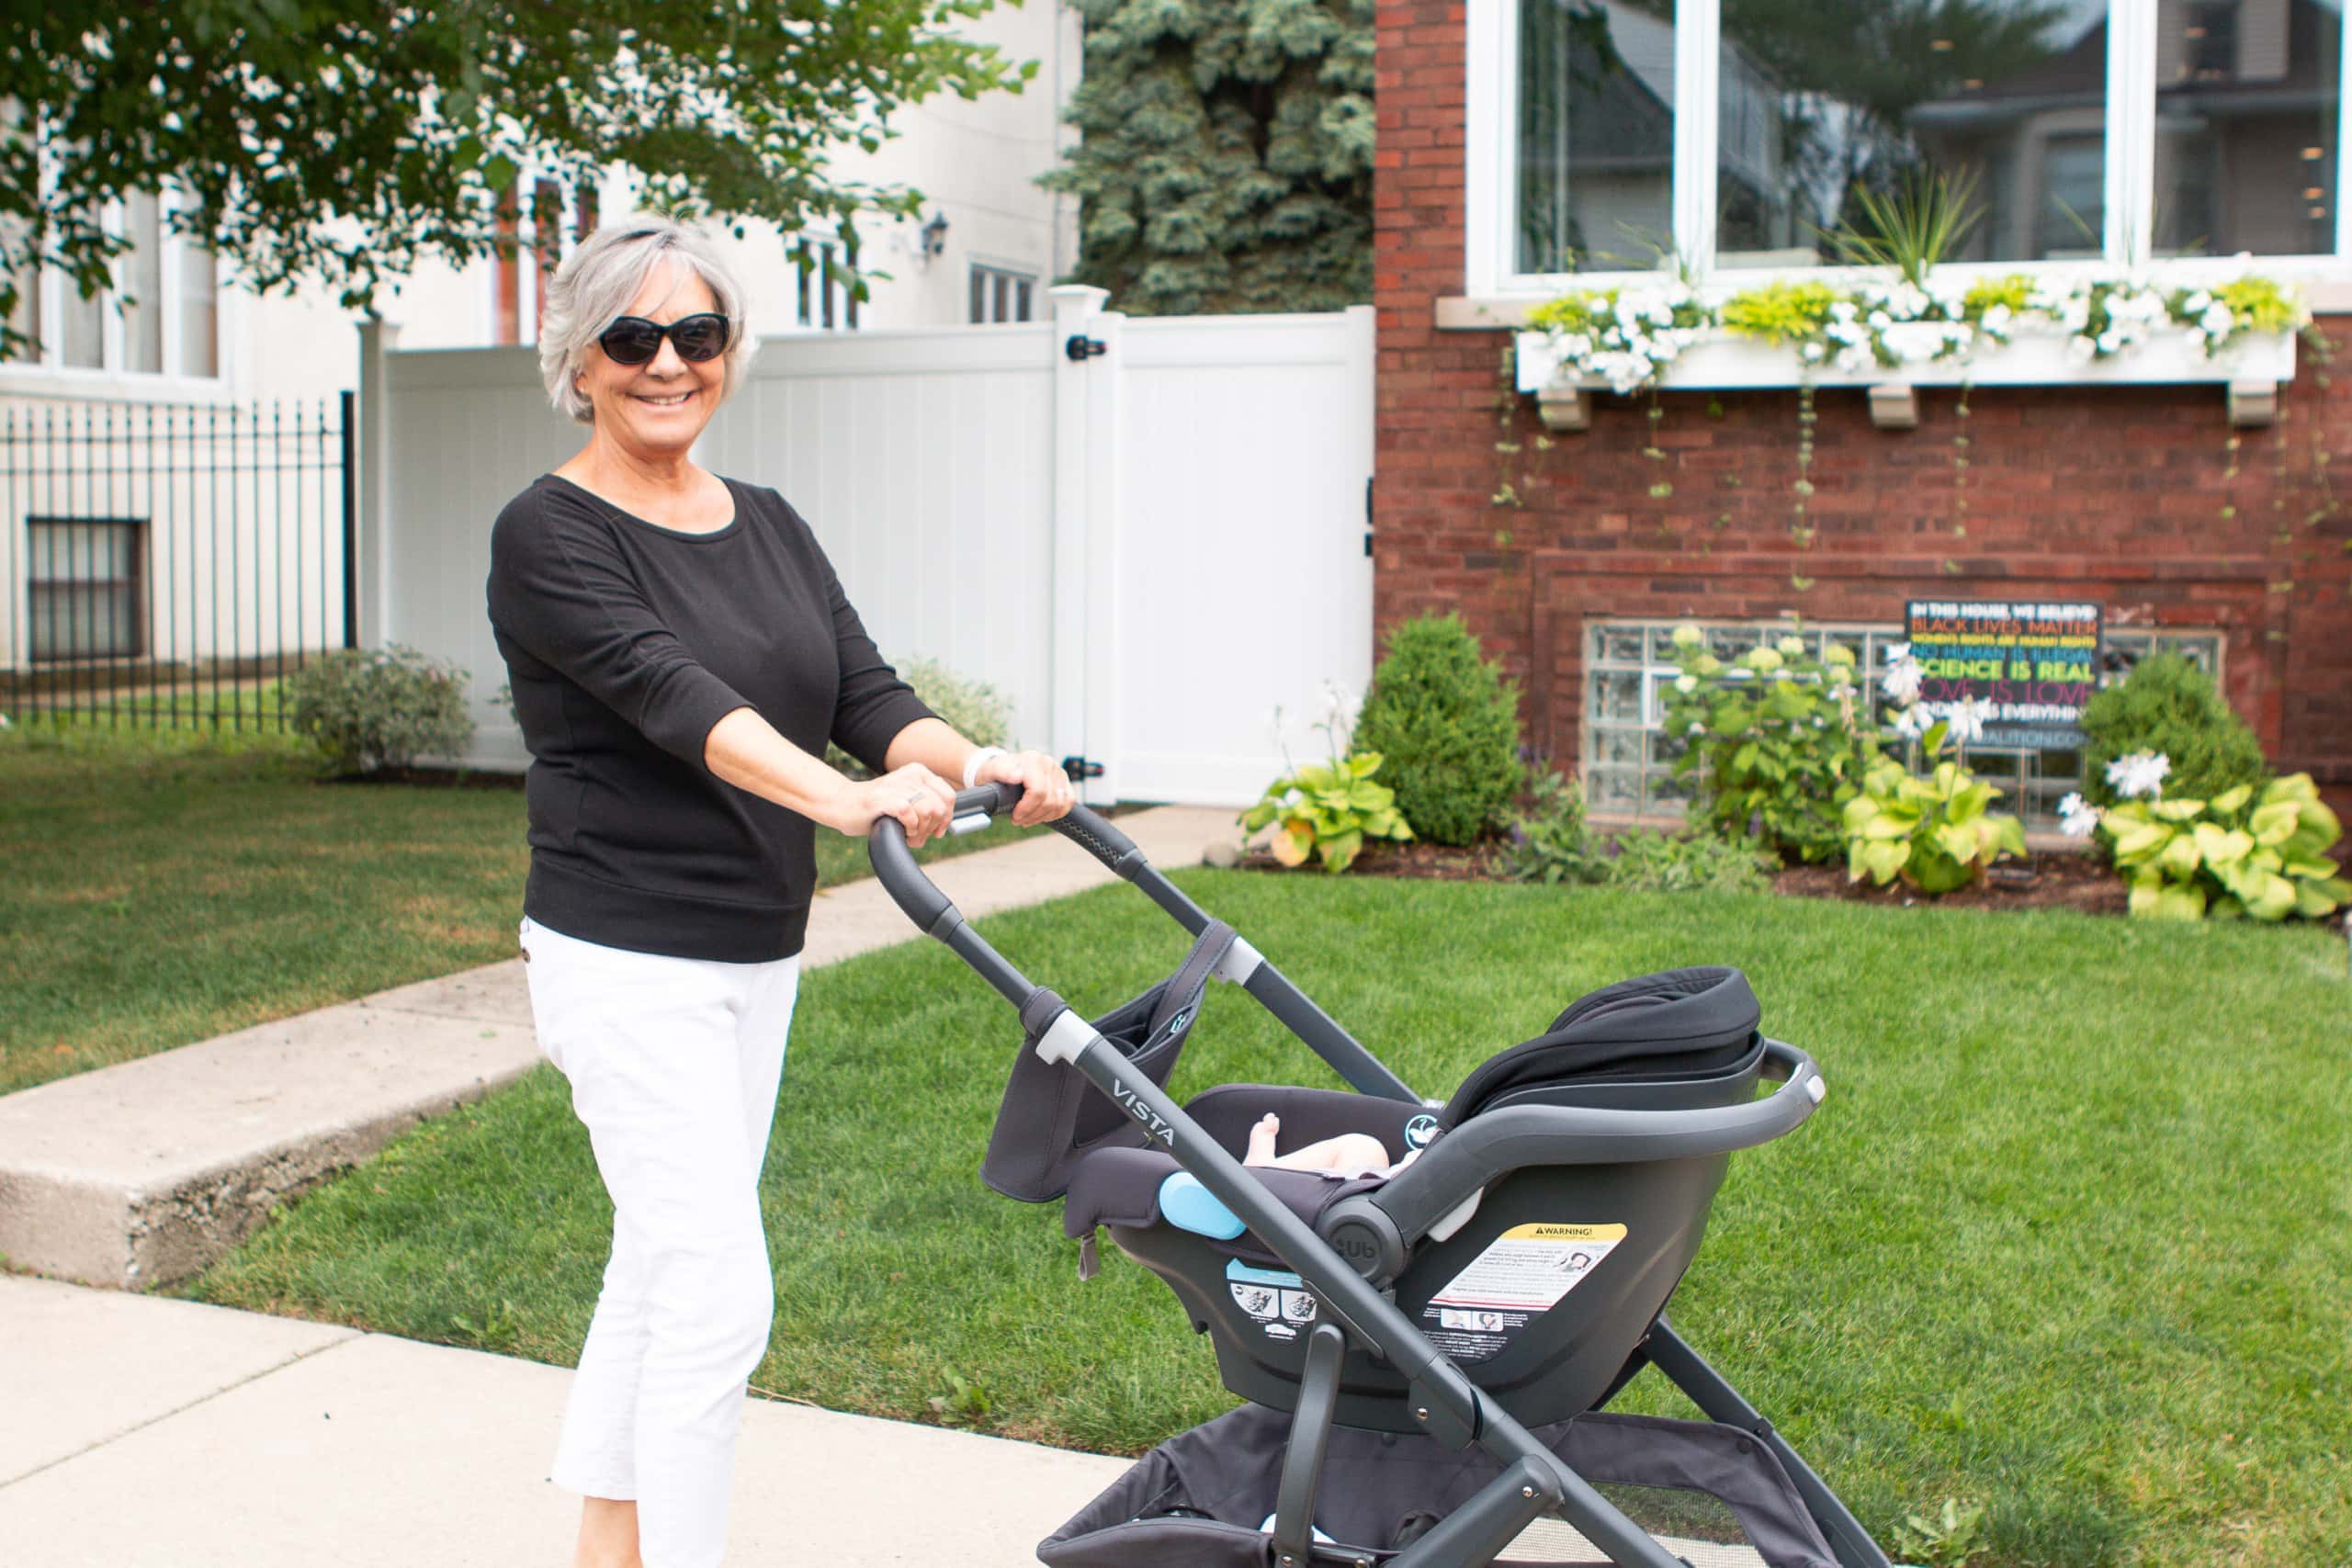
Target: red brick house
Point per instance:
(1515, 136)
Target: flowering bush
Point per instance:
(1777, 739)
(2239, 853)
(367, 710)
(1936, 833)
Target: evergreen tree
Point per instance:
(1226, 158)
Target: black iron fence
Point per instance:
(169, 565)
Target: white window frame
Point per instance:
(1013, 273)
(1491, 182)
(821, 284)
(50, 376)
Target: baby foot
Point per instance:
(1261, 1140)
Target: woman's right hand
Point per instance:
(921, 801)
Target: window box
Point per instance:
(2251, 369)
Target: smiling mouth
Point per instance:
(663, 400)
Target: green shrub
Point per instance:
(1552, 843)
(1447, 723)
(367, 710)
(974, 709)
(1779, 740)
(2168, 706)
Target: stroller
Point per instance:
(1427, 1355)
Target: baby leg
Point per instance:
(1261, 1140)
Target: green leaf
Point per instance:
(2230, 800)
(1744, 759)
(2181, 857)
(2136, 841)
(1957, 840)
(2276, 823)
(2181, 903)
(2146, 893)
(2223, 846)
(2179, 810)
(1340, 851)
(1885, 859)
(2273, 897)
(2311, 901)
(1933, 741)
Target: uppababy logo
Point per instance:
(1143, 1113)
(1419, 1131)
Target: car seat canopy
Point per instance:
(1696, 1023)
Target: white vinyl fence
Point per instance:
(1148, 534)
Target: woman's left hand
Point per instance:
(1046, 792)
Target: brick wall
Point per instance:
(2132, 496)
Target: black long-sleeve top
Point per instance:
(625, 642)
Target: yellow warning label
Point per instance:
(1564, 1233)
(1528, 1267)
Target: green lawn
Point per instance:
(2071, 1235)
(163, 887)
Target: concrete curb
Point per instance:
(144, 1172)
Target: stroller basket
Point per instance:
(1427, 1344)
(1711, 1494)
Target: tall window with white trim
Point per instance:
(160, 318)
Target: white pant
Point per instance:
(673, 1064)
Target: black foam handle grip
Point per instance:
(921, 898)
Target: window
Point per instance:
(83, 588)
(1000, 294)
(1628, 759)
(1605, 135)
(825, 298)
(529, 252)
(161, 317)
(2248, 135)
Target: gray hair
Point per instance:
(596, 283)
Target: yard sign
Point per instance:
(2035, 664)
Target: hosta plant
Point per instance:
(2241, 852)
(1326, 810)
(1936, 833)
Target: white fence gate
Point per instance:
(1148, 534)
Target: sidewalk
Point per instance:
(143, 1432)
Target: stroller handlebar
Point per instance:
(921, 898)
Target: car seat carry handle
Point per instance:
(1493, 1143)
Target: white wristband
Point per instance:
(972, 763)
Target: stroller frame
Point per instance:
(1534, 1480)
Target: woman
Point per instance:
(680, 652)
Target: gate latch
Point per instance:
(1081, 768)
(1081, 349)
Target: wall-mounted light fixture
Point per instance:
(935, 236)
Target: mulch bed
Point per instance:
(2048, 880)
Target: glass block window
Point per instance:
(1628, 759)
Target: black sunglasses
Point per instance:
(633, 340)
